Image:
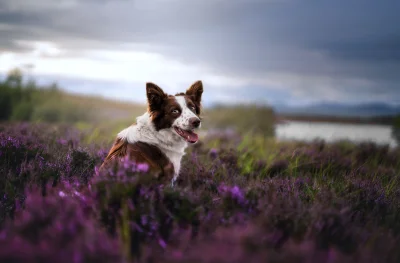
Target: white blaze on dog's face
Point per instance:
(177, 114)
(188, 120)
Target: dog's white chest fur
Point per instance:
(166, 140)
(169, 122)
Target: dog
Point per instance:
(160, 136)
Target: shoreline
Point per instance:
(382, 120)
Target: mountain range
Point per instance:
(340, 110)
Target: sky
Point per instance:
(293, 52)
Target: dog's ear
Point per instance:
(195, 91)
(155, 96)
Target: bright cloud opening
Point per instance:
(110, 65)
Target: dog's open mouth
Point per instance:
(189, 136)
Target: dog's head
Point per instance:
(179, 114)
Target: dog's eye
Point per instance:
(192, 108)
(175, 111)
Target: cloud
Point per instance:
(325, 50)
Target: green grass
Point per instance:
(288, 196)
(21, 101)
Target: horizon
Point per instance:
(291, 53)
(206, 104)
(279, 108)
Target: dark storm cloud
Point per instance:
(385, 49)
(342, 45)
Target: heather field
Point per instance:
(240, 198)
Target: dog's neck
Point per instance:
(166, 140)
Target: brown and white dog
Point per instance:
(160, 136)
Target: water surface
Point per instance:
(330, 132)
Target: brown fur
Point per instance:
(160, 106)
(163, 117)
(193, 95)
(140, 152)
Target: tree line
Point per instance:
(26, 101)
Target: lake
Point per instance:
(308, 131)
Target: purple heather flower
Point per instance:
(3, 235)
(62, 141)
(79, 195)
(77, 257)
(133, 225)
(96, 170)
(131, 205)
(213, 153)
(143, 167)
(177, 254)
(102, 153)
(222, 188)
(126, 164)
(162, 243)
(144, 220)
(120, 173)
(235, 191)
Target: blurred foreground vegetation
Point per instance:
(238, 199)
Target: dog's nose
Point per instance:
(194, 122)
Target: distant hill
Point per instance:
(340, 110)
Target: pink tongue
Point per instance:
(190, 136)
